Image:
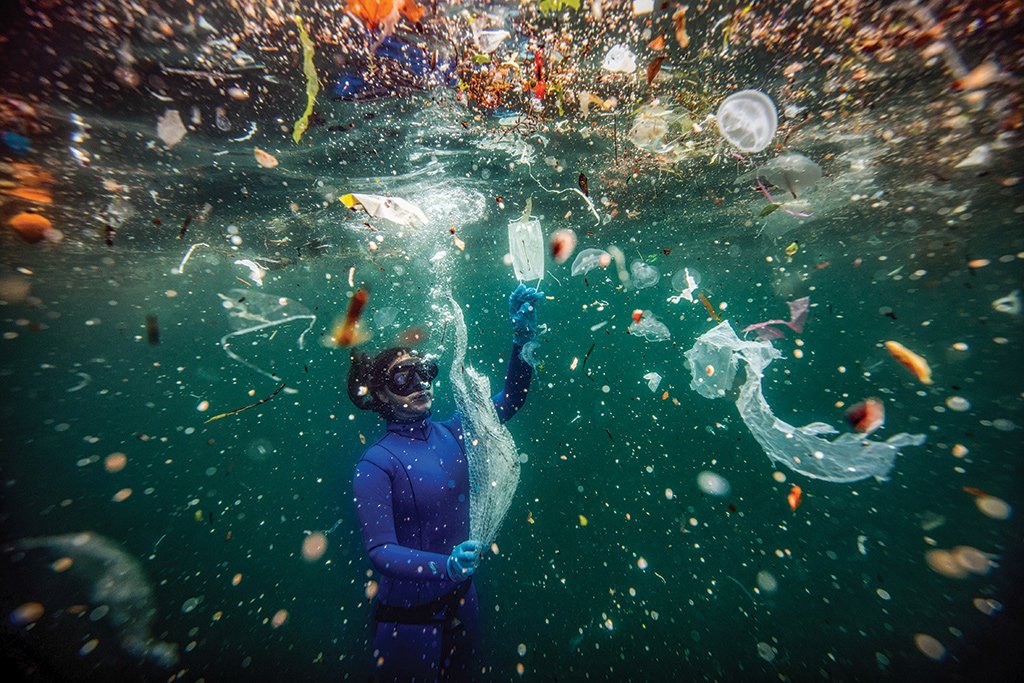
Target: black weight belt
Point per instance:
(424, 614)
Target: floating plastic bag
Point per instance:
(526, 244)
(619, 59)
(98, 572)
(394, 209)
(650, 328)
(748, 120)
(797, 318)
(793, 173)
(255, 313)
(644, 274)
(488, 41)
(588, 259)
(850, 457)
(658, 129)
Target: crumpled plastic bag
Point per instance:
(619, 59)
(394, 209)
(850, 457)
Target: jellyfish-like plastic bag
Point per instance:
(850, 457)
(650, 328)
(644, 274)
(526, 244)
(748, 120)
(258, 314)
(490, 450)
(588, 259)
(793, 173)
(99, 572)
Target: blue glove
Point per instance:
(522, 308)
(464, 560)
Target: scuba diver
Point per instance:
(411, 491)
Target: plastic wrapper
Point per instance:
(394, 209)
(619, 59)
(850, 457)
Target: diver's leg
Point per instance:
(407, 652)
(461, 643)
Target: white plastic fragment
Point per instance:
(691, 287)
(256, 271)
(488, 41)
(641, 7)
(395, 209)
(850, 457)
(653, 380)
(1009, 304)
(170, 128)
(619, 60)
(979, 156)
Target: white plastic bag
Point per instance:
(394, 209)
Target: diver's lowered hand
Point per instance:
(464, 560)
(522, 307)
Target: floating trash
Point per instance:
(748, 120)
(256, 313)
(619, 59)
(793, 173)
(650, 328)
(653, 380)
(713, 361)
(1009, 304)
(588, 259)
(526, 244)
(394, 209)
(644, 275)
(713, 484)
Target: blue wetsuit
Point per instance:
(412, 500)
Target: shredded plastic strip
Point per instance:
(850, 457)
(312, 84)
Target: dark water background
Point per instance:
(239, 495)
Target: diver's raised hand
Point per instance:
(522, 307)
(464, 560)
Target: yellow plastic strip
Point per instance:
(312, 84)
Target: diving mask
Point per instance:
(411, 376)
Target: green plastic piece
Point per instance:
(312, 84)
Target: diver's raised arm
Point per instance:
(522, 305)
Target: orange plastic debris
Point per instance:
(911, 361)
(32, 194)
(374, 13)
(31, 227)
(795, 497)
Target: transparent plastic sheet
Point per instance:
(250, 312)
(490, 449)
(100, 573)
(850, 457)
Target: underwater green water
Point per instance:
(612, 564)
